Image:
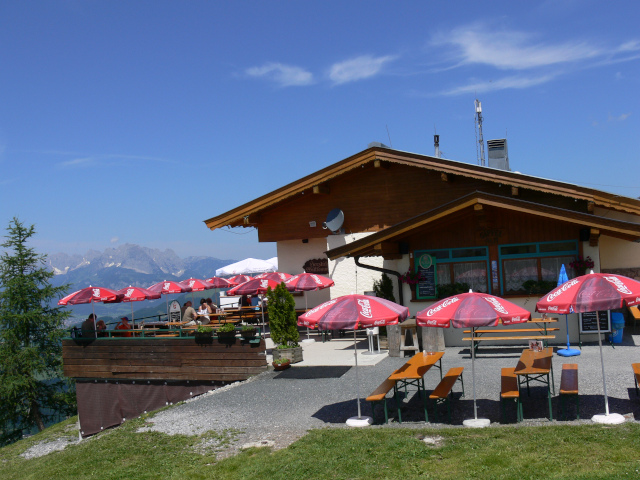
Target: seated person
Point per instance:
(189, 315)
(245, 301)
(101, 327)
(212, 307)
(88, 327)
(203, 312)
(123, 324)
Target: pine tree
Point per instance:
(32, 389)
(282, 316)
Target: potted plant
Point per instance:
(283, 324)
(581, 265)
(281, 363)
(204, 334)
(248, 332)
(226, 332)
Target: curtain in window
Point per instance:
(551, 267)
(444, 273)
(516, 272)
(473, 273)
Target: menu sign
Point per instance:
(319, 266)
(174, 311)
(588, 322)
(426, 266)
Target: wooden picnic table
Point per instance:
(536, 367)
(538, 332)
(412, 373)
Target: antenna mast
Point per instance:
(478, 123)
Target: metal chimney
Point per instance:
(498, 154)
(436, 146)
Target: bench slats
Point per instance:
(514, 330)
(509, 384)
(380, 392)
(446, 384)
(569, 379)
(523, 337)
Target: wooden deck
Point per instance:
(163, 359)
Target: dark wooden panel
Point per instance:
(162, 359)
(376, 198)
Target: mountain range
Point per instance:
(126, 265)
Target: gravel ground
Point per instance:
(275, 409)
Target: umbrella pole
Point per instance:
(95, 327)
(473, 374)
(604, 383)
(133, 320)
(355, 354)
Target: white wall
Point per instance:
(292, 255)
(617, 253)
(348, 277)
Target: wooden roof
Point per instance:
(375, 244)
(239, 216)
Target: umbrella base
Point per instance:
(477, 423)
(568, 352)
(611, 419)
(359, 421)
(308, 340)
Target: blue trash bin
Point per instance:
(617, 327)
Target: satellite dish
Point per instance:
(335, 219)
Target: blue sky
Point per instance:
(133, 122)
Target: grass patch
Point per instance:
(557, 451)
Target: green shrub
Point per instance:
(384, 288)
(226, 328)
(282, 317)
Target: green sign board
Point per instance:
(425, 264)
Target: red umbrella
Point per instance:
(255, 286)
(591, 293)
(218, 282)
(167, 287)
(473, 309)
(238, 279)
(306, 282)
(277, 276)
(137, 294)
(197, 285)
(91, 295)
(353, 312)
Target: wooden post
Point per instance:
(393, 338)
(432, 339)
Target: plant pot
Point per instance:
(294, 354)
(204, 337)
(248, 334)
(281, 366)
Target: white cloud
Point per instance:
(358, 68)
(79, 162)
(114, 240)
(284, 75)
(515, 82)
(619, 118)
(510, 50)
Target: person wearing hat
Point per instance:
(123, 324)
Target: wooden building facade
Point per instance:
(492, 229)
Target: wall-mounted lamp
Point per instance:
(312, 223)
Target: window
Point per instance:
(534, 261)
(462, 265)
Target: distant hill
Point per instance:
(126, 265)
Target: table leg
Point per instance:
(423, 392)
(549, 395)
(398, 405)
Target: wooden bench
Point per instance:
(442, 392)
(569, 386)
(635, 315)
(636, 372)
(509, 391)
(380, 395)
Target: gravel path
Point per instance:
(275, 409)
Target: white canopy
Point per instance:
(273, 261)
(246, 267)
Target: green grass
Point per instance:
(572, 452)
